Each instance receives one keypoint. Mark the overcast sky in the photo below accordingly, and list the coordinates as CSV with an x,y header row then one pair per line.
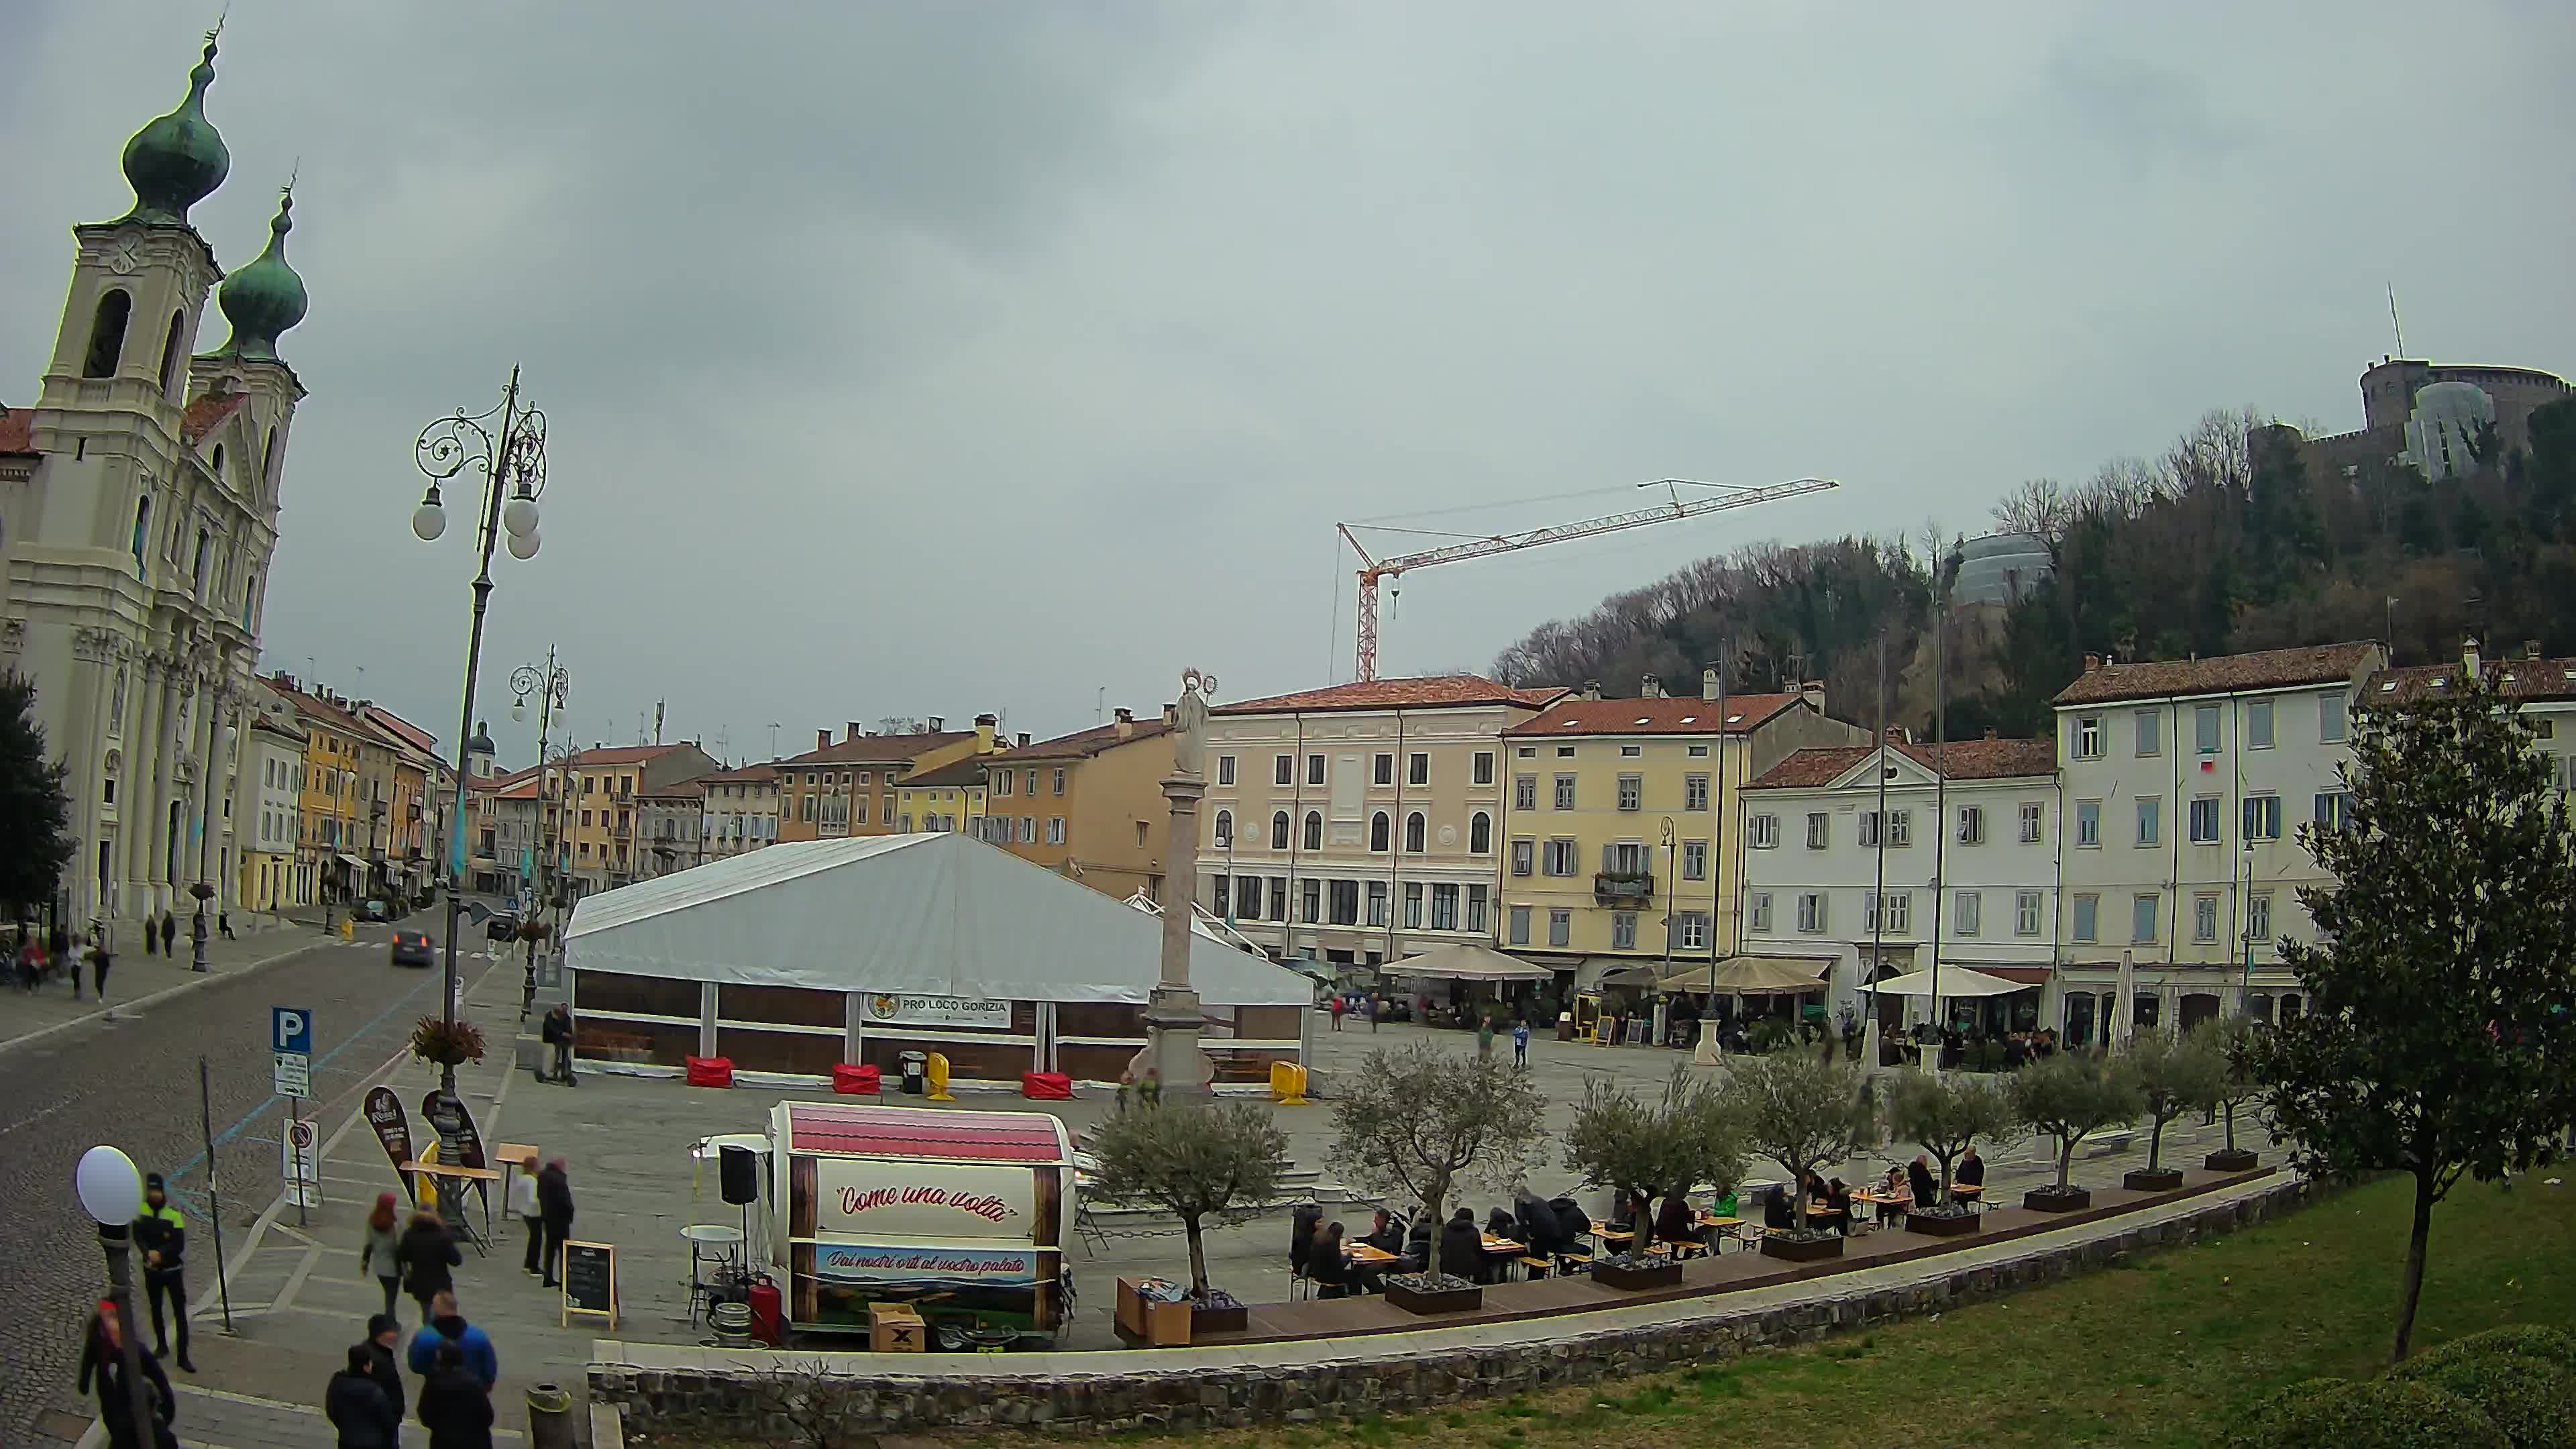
x,y
934,358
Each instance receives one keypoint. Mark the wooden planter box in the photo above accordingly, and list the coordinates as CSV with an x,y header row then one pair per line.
x,y
1447,1300
1236,1318
1941,1225
2162,1179
1665,1274
2050,1200
1794,1250
2231,1159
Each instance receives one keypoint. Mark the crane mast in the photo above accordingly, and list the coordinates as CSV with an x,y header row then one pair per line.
x,y
1373,570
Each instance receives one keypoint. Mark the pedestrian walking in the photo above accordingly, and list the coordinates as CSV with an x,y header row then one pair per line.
x,y
151,934
100,958
1520,1043
356,1406
558,1036
1374,1007
448,1330
554,1205
427,1254
1485,1037
103,1356
530,1213
224,924
455,1409
161,1235
170,934
381,1254
1338,1008
384,1339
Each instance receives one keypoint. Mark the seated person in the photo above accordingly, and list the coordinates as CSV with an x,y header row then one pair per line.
x,y
1573,1224
1500,1223
1838,1205
1726,1205
1538,1225
1892,1185
1918,1179
1972,1170
1677,1223
1417,1243
1462,1248
1329,1265
1386,1234
1778,1209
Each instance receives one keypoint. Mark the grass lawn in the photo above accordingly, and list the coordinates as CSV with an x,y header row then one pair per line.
x,y
2159,1353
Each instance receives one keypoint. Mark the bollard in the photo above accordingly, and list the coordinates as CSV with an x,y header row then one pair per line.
x,y
549,1417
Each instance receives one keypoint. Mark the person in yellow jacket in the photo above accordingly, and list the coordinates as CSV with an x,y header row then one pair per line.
x,y
161,1236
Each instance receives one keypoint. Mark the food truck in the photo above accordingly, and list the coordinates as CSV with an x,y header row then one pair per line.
x,y
960,1215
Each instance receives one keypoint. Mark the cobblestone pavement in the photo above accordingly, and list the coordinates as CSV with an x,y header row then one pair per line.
x,y
131,1081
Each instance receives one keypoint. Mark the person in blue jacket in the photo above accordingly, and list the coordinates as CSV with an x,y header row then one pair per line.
x,y
448,1326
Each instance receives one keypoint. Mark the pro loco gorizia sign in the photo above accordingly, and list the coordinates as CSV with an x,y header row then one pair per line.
x,y
882,1199
956,1011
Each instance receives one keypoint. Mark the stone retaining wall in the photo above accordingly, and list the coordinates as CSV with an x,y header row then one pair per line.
x,y
782,1395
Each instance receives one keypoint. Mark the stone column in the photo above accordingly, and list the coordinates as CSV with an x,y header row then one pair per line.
x,y
1172,1013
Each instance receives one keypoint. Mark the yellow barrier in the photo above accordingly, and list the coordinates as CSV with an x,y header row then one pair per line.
x,y
348,929
1288,1084
936,1069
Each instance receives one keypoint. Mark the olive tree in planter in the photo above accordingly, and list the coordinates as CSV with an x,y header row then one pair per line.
x,y
2174,1074
1946,1115
1643,1149
1196,1161
2233,1039
2070,1096
1421,1120
1801,1111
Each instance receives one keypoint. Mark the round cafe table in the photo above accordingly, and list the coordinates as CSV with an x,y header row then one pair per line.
x,y
718,1243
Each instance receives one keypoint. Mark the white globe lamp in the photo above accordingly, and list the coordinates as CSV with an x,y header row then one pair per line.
x,y
111,1190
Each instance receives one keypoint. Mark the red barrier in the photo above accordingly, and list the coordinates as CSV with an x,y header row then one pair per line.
x,y
854,1079
1046,1086
710,1071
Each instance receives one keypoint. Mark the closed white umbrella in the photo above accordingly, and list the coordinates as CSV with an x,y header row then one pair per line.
x,y
2123,1013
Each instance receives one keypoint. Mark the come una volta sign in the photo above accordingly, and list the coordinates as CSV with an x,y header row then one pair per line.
x,y
938,1011
948,1201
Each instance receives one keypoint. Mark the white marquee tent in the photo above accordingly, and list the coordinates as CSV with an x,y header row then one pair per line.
x,y
938,915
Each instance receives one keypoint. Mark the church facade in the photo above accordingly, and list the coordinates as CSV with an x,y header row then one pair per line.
x,y
138,515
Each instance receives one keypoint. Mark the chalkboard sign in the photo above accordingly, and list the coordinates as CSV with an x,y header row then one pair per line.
x,y
589,1281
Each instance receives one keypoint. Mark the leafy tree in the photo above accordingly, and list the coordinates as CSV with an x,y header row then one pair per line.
x,y
1947,1114
1801,1111
2071,1096
2174,1075
2437,1039
1195,1161
35,815
1645,1149
1423,1120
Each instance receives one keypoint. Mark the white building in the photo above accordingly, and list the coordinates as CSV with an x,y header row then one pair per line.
x,y
741,811
138,513
1359,824
1962,866
2185,782
271,817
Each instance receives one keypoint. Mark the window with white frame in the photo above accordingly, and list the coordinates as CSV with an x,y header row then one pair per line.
x,y
1382,768
1480,833
2027,907
2204,729
1314,769
2262,817
2204,820
2204,917
1283,770
2086,743
1694,792
1972,825
1870,831
1415,828
1417,769
1004,782
1224,829
1484,768
1694,860
1758,909
1560,856
1055,830
1225,769
1811,912
1623,930
1525,792
1279,830
1311,894
1565,792
1694,931
1967,913
1632,792
1524,856
1413,905
1762,832
1377,903
1314,832
2258,916
1477,896
1560,927
1819,829
2032,813
1900,827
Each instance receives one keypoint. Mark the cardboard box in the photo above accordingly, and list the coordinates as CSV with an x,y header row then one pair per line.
x,y
896,1328
1142,1320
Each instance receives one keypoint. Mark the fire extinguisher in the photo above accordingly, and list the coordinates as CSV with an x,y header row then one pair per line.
x,y
768,1313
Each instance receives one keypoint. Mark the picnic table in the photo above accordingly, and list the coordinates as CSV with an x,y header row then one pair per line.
x,y
1368,1255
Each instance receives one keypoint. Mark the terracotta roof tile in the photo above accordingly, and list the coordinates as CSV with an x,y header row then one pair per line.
x,y
1427,692
878,749
208,413
1083,744
1573,716
761,774
677,789
1965,759
968,771
2513,678
620,755
17,431
2266,669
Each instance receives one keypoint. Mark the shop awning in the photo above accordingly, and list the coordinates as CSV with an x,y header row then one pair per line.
x,y
352,862
1752,976
1955,981
1467,962
1635,974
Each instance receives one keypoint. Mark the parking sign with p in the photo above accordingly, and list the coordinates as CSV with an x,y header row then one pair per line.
x,y
290,1048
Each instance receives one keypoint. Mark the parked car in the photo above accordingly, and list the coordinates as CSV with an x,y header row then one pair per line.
x,y
502,926
371,911
411,948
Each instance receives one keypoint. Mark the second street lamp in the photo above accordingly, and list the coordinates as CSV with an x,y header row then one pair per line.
x,y
508,446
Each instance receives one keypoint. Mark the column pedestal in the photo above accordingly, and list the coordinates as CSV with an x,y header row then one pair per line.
x,y
1172,1013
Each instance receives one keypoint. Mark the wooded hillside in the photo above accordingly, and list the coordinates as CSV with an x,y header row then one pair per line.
x,y
2222,544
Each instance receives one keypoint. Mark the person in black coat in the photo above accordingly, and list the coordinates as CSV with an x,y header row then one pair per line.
x,y
454,1406
1501,1224
1539,1227
1573,1224
1918,1178
384,1336
1972,1170
1675,1222
1780,1209
1462,1248
554,1199
1417,1243
427,1253
356,1404
103,1356
1329,1264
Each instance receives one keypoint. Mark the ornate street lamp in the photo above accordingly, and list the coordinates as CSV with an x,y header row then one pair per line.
x,y
508,446
111,1192
551,686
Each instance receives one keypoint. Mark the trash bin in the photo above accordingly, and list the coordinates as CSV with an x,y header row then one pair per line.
x,y
549,1417
1565,1026
916,1073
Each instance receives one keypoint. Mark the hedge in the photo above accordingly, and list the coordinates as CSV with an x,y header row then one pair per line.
x,y
2385,1413
2523,1340
2532,1400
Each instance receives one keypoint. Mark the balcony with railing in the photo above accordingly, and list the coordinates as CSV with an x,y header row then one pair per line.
x,y
1623,887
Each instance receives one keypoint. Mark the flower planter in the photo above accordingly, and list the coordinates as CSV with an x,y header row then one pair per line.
x,y
1814,1249
1611,1273
1448,1297
2231,1159
2162,1179
2057,1200
1222,1313
1942,1225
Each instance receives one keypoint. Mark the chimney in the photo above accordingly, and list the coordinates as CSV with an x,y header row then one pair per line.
x,y
1023,739
2530,648
2468,656
1813,692
2092,662
938,723
1123,722
851,730
985,725
822,739
1592,689
1650,688
1708,682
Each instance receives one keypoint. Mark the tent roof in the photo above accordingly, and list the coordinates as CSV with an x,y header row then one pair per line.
x,y
1467,961
1955,981
928,914
1753,976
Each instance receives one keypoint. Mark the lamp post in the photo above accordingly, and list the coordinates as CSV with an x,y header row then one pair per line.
x,y
552,687
111,1192
1172,1015
513,462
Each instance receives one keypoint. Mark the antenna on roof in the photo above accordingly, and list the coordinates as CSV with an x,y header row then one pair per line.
x,y
2393,324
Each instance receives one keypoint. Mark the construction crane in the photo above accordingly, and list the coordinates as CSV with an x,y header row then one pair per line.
x,y
1372,570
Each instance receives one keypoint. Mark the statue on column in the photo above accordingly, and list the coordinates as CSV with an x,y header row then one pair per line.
x,y
1190,721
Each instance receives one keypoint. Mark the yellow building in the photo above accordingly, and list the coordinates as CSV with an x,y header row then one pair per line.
x,y
1620,822
591,802
1088,805
944,797
837,790
330,839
